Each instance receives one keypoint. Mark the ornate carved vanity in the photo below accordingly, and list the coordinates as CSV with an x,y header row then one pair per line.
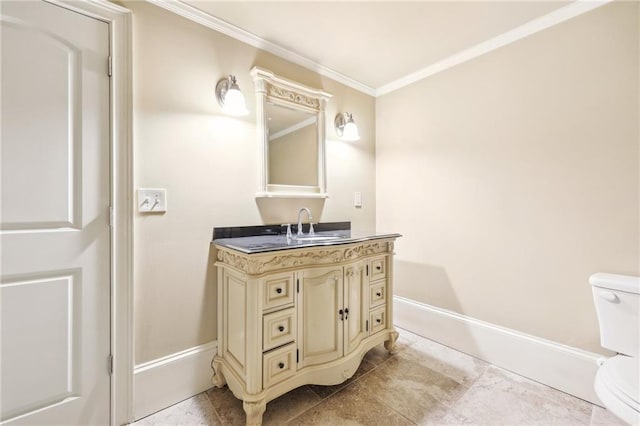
x,y
303,309
299,312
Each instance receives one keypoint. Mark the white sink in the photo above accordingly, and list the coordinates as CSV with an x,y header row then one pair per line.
x,y
317,237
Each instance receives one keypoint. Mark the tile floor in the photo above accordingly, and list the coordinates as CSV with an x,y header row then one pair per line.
x,y
425,383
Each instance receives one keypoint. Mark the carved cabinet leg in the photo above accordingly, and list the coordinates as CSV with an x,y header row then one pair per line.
x,y
254,412
218,379
391,344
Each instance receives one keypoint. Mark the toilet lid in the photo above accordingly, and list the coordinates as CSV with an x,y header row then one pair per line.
x,y
616,282
620,375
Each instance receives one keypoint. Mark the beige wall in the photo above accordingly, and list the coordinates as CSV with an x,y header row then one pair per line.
x,y
208,164
515,176
512,177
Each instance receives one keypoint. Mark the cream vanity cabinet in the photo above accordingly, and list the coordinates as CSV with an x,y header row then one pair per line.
x,y
300,316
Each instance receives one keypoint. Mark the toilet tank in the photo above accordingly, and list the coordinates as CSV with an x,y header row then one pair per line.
x,y
617,301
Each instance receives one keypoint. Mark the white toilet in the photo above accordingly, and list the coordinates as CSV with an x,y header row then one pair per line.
x,y
617,301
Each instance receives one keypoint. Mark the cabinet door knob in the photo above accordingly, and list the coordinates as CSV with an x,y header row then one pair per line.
x,y
278,290
379,268
378,320
341,312
378,294
281,365
281,328
346,313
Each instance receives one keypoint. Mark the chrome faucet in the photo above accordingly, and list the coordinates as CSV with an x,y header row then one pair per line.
x,y
304,209
288,225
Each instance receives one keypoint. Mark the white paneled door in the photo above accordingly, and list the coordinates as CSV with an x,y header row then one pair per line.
x,y
54,215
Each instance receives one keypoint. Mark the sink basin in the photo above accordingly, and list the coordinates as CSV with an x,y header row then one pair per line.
x,y
311,238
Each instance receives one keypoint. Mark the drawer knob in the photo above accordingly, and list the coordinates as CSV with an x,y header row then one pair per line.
x,y
280,328
378,320
378,294
281,365
278,290
378,268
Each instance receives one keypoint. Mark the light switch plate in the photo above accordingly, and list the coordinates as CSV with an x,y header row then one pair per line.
x,y
357,199
152,200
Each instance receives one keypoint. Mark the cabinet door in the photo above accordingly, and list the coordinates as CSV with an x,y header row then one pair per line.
x,y
320,325
234,319
355,305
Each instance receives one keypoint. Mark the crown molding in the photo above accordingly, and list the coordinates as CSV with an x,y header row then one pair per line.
x,y
216,24
556,17
549,20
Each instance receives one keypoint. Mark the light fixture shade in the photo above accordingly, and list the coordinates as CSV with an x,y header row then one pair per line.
x,y
230,97
350,131
346,128
234,103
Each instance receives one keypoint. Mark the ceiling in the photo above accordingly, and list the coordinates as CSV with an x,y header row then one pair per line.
x,y
374,44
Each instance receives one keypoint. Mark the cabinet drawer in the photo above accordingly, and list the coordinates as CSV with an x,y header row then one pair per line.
x,y
378,320
278,328
278,365
278,290
378,268
377,294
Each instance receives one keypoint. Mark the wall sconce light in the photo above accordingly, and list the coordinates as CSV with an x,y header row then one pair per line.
x,y
346,128
230,97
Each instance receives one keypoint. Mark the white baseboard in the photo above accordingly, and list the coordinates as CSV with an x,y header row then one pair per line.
x,y
171,379
562,367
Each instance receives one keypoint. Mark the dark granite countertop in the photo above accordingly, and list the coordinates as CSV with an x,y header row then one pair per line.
x,y
268,238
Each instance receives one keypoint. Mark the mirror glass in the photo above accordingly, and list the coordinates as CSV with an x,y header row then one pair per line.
x,y
292,145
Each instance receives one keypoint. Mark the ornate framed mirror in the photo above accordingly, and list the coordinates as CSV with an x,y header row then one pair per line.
x,y
291,137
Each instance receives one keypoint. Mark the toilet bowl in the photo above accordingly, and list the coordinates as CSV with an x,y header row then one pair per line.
x,y
617,301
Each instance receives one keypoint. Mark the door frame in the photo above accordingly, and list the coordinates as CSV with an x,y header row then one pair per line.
x,y
121,170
